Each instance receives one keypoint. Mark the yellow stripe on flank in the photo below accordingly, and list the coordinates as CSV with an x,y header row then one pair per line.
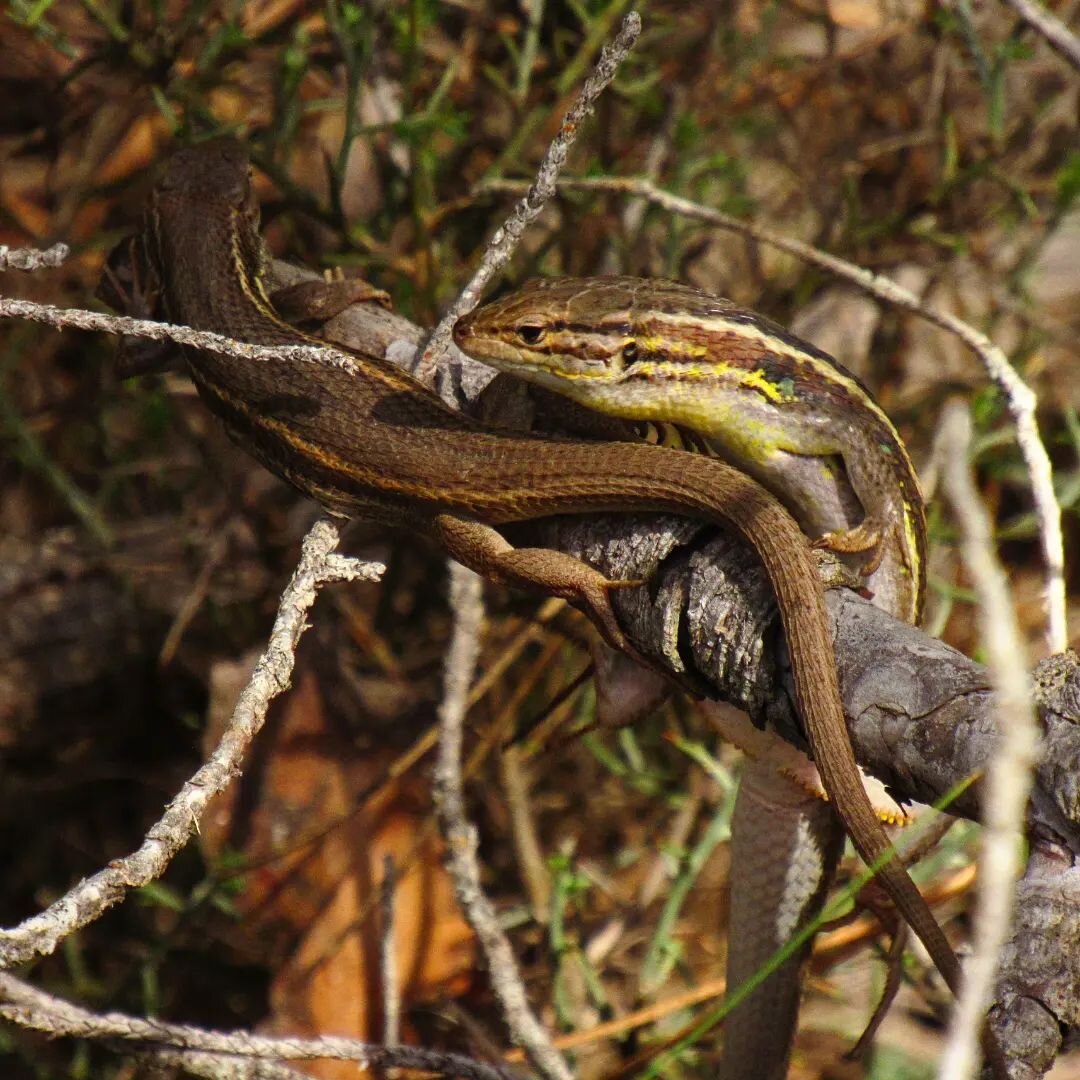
x,y
720,324
673,346
716,371
756,380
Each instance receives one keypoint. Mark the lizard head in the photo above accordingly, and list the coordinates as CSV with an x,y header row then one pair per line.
x,y
555,330
217,169
592,339
205,195
206,179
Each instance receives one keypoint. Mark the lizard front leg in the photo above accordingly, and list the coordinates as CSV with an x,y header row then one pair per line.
x,y
485,550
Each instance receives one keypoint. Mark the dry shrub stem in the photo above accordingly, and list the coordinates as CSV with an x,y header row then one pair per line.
x,y
390,977
1019,397
217,1066
32,258
32,1008
1009,776
466,601
80,319
1058,36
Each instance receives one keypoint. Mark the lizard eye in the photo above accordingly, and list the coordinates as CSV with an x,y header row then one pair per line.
x,y
630,352
530,334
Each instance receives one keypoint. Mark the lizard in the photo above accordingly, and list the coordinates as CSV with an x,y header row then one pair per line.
x,y
361,437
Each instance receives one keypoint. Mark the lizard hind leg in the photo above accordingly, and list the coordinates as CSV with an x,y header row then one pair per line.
x,y
485,550
867,536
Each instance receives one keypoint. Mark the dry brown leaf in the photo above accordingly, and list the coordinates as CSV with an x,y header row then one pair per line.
x,y
138,149
856,14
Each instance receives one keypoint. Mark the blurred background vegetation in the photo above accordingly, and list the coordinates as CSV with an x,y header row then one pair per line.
x,y
141,554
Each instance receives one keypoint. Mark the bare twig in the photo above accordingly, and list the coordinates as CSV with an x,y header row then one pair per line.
x,y
80,319
1008,781
32,258
219,1066
1058,36
1021,400
461,841
32,1008
505,240
81,905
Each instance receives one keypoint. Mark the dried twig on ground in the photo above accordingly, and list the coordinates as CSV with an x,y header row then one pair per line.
x,y
32,1008
1059,37
466,600
32,258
